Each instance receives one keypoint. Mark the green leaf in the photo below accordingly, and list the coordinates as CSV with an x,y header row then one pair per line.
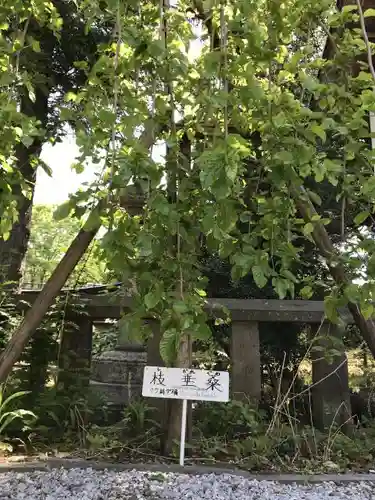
x,y
245,216
371,266
242,264
35,44
369,13
349,8
70,96
180,307
308,229
352,292
238,144
93,221
27,140
315,198
285,157
66,114
330,307
10,398
107,116
145,245
152,299
169,344
259,277
131,328
306,292
63,211
78,167
361,217
289,275
281,287
231,170
367,310
318,349
46,168
160,204
202,332
319,131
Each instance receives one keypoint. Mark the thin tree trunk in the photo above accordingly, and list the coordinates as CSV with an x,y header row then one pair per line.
x,y
13,250
325,246
184,360
184,354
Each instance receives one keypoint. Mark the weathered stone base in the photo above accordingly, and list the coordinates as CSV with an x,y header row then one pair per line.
x,y
117,395
117,375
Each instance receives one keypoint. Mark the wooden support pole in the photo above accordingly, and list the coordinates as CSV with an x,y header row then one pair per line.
x,y
330,389
245,355
75,355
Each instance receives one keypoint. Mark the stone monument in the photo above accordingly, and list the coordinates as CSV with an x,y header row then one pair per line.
x,y
117,374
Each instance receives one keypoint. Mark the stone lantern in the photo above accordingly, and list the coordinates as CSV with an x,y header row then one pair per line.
x,y
118,374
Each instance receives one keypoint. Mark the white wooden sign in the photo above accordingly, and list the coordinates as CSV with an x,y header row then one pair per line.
x,y
186,384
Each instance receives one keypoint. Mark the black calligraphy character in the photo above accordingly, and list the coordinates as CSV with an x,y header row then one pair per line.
x,y
188,377
213,382
158,378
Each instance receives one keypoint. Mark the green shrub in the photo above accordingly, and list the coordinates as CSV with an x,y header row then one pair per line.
x,y
228,420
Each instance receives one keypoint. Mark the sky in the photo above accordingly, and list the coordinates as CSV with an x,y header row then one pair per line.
x,y
60,157
55,189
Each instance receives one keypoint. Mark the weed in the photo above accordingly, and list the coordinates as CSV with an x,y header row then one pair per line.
x,y
137,417
8,416
65,417
229,420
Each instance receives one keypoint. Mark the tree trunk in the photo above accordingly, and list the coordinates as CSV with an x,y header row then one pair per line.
x,y
327,250
184,359
184,354
35,314
13,250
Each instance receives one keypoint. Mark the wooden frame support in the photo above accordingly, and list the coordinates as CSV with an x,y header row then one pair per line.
x,y
75,354
245,355
330,377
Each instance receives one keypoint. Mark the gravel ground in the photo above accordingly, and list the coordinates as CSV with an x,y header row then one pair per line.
x,y
89,484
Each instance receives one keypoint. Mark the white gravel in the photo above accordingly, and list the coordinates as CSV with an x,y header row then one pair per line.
x,y
89,484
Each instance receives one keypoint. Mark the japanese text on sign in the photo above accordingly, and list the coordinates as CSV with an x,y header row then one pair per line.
x,y
185,383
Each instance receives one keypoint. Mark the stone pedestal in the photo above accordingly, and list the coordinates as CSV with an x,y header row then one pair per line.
x,y
118,374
